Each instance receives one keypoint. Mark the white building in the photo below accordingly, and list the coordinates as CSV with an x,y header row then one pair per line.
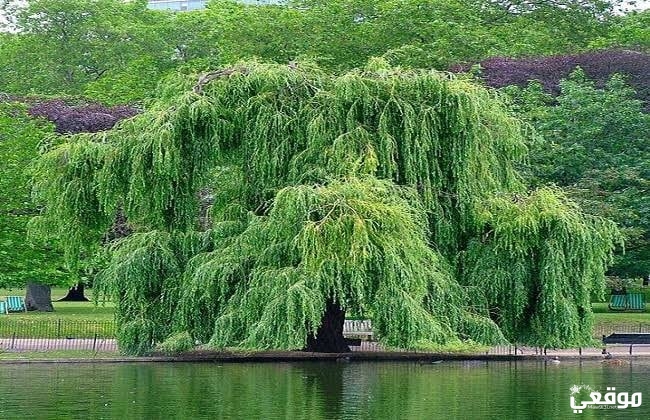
x,y
181,5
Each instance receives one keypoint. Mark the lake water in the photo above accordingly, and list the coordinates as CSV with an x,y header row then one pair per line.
x,y
316,390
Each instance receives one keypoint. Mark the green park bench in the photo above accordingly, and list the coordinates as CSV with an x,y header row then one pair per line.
x,y
636,302
3,307
628,302
15,304
617,302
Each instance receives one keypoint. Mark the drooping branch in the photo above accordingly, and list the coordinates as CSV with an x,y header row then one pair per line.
x,y
206,78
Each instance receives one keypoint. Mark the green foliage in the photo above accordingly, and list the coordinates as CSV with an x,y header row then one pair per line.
x,y
631,30
544,260
75,163
113,50
133,83
598,128
177,343
143,281
374,189
594,142
116,51
20,260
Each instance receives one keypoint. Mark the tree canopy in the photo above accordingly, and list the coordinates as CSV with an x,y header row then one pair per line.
x,y
594,143
260,194
117,51
21,260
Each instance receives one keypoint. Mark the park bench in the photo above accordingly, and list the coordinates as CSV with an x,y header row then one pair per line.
x,y
3,307
15,304
628,302
627,338
352,341
356,331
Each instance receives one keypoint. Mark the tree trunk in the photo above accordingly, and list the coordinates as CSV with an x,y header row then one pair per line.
x,y
329,337
75,294
38,298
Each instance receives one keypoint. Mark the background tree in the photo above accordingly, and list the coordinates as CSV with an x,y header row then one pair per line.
x,y
68,46
438,34
23,263
595,143
34,263
599,66
117,51
631,30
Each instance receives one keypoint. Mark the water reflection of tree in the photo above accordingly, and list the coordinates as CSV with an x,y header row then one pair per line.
x,y
278,390
310,390
325,388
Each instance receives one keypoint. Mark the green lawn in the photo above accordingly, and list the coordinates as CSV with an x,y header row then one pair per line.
x,y
54,354
69,319
607,322
69,311
80,311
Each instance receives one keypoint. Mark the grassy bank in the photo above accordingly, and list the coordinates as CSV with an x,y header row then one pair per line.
x,y
607,321
69,319
66,311
55,355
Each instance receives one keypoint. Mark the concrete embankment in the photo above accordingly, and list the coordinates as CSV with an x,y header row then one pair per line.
x,y
617,352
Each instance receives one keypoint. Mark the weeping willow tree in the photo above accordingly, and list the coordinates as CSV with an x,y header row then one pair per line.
x,y
268,201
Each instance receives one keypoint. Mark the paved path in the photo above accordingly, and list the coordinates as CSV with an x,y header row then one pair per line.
x,y
38,344
110,345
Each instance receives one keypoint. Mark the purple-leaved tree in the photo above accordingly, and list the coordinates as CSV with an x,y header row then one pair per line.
x,y
85,118
598,66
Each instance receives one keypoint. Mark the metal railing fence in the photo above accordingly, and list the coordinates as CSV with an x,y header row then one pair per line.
x,y
59,334
63,334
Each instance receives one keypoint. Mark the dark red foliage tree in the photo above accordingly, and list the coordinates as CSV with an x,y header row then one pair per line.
x,y
599,66
86,118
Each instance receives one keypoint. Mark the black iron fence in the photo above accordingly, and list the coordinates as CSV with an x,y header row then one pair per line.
x,y
606,330
60,334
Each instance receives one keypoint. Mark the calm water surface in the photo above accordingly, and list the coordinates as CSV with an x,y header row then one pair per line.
x,y
463,390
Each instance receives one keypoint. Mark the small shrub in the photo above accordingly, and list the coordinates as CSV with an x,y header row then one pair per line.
x,y
176,343
619,285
